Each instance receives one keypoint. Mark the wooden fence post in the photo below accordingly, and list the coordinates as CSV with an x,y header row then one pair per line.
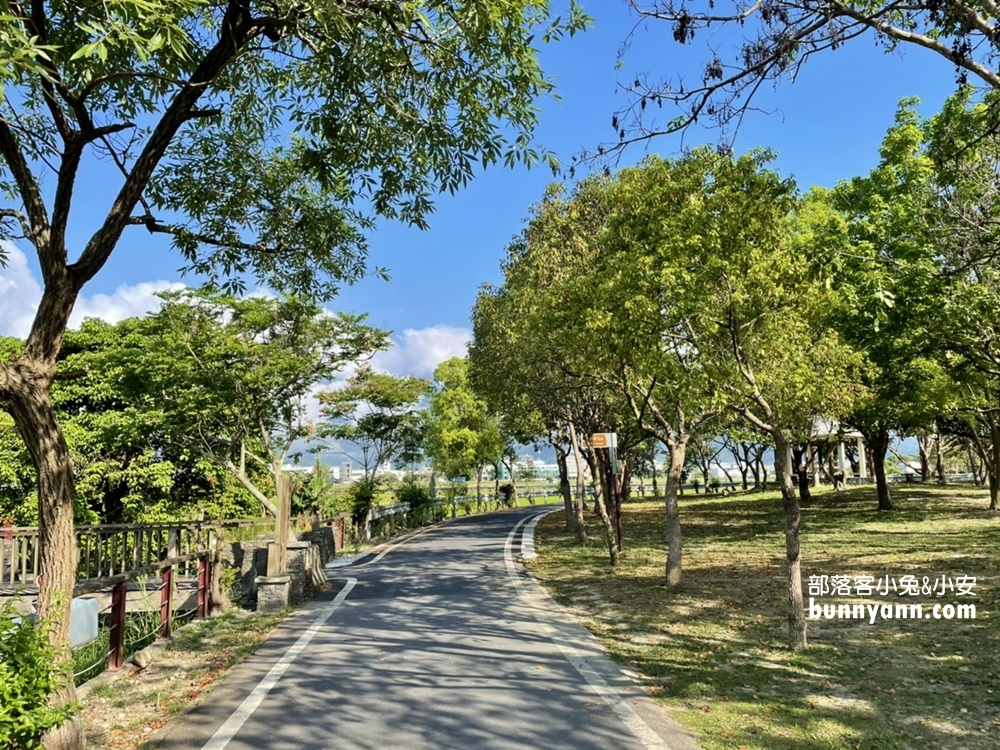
x,y
277,551
204,572
116,655
167,603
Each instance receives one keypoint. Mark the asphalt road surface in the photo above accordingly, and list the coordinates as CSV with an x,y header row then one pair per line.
x,y
442,641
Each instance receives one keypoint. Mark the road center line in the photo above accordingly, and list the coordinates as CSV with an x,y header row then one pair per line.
x,y
227,731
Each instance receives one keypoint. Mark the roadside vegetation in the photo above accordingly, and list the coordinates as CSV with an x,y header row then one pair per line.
x,y
122,710
714,650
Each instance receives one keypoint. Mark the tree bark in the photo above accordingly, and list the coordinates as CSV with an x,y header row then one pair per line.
x,y
599,475
799,459
602,511
678,454
994,473
242,478
656,490
479,489
793,556
923,447
581,488
878,443
26,390
564,488
940,461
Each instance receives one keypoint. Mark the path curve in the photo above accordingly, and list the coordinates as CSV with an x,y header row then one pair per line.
x,y
440,641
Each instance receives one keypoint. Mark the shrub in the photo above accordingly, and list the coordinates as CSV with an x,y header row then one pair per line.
x,y
28,676
414,495
362,496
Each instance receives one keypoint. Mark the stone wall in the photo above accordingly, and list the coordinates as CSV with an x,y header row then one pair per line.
x,y
324,539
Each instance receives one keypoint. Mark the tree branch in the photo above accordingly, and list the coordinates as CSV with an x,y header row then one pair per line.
x,y
52,261
155,227
21,218
237,29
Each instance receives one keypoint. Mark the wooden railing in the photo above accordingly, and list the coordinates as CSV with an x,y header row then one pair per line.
x,y
108,550
166,570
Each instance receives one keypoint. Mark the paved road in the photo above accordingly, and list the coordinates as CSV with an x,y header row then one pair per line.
x,y
442,642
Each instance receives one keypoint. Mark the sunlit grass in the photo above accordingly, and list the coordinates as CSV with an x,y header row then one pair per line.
x,y
714,651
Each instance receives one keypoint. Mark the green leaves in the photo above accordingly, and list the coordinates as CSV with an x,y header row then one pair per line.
x,y
310,120
28,676
378,413
462,436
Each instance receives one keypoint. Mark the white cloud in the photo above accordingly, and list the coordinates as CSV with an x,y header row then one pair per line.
x,y
419,352
20,293
127,301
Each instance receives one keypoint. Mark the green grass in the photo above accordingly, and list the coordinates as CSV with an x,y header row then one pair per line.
x,y
714,651
141,629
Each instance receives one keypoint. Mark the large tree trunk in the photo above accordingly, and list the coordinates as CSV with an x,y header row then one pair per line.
x,y
479,489
993,470
879,445
564,488
793,556
598,471
656,490
678,453
30,404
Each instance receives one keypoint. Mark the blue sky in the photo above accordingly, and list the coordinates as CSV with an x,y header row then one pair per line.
x,y
827,126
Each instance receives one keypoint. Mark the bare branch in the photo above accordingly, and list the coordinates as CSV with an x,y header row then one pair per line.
x,y
155,227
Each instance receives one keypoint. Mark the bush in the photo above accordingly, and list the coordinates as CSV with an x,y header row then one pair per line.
x,y
362,496
508,495
28,676
414,495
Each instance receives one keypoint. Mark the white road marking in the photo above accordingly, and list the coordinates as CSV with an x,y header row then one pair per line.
x,y
508,556
227,731
528,537
577,650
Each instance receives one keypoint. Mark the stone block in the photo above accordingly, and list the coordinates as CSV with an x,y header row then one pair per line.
x,y
272,594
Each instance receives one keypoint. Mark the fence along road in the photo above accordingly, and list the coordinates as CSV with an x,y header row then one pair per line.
x,y
442,643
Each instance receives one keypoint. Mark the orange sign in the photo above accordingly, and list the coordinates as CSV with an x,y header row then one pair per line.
x,y
599,440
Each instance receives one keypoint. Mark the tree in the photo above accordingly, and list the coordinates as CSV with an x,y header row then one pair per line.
x,y
529,356
128,465
462,437
375,411
775,38
637,306
230,376
881,255
192,101
760,325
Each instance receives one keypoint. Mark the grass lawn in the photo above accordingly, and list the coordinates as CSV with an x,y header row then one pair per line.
x,y
714,651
